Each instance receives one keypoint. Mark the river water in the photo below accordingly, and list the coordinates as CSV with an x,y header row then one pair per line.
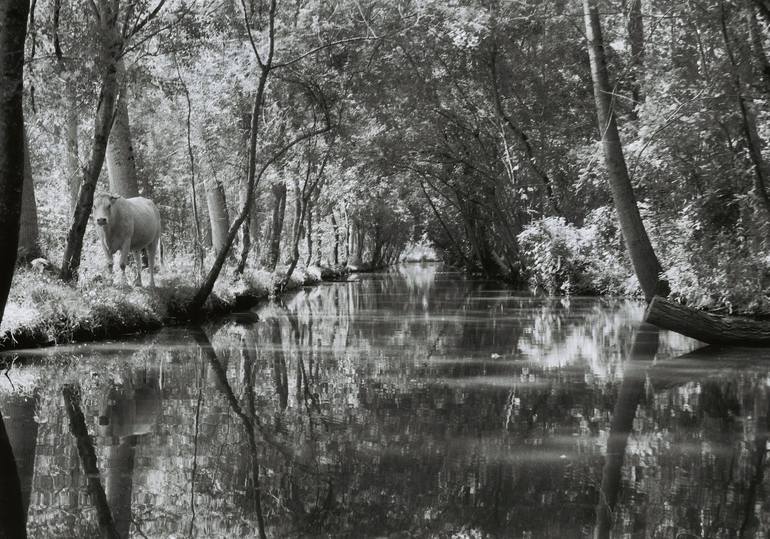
x,y
411,403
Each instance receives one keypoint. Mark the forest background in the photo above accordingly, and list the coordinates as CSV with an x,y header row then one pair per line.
x,y
281,137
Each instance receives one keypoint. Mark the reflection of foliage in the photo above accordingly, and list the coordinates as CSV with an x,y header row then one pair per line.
x,y
406,404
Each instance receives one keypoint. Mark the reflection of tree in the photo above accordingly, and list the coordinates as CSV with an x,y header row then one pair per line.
x,y
22,431
643,349
88,461
280,376
129,412
12,516
762,417
250,422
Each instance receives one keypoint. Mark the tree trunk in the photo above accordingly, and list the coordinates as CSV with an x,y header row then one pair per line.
x,y
707,327
636,38
749,119
296,233
13,29
218,216
309,236
279,212
758,49
121,163
111,47
29,232
336,250
643,257
318,236
13,24
74,173
346,235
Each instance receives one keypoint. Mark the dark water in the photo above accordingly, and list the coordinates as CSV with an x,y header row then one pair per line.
x,y
413,403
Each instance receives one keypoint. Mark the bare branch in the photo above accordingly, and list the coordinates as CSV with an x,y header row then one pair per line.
x,y
322,47
142,23
251,36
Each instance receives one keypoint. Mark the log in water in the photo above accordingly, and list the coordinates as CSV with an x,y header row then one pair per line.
x,y
707,327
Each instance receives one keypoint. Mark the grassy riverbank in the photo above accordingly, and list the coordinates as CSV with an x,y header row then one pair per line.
x,y
43,311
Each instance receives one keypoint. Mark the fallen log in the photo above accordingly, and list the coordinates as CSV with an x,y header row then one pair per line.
x,y
707,327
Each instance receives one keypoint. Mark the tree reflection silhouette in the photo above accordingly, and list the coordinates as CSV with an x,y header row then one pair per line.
x,y
12,518
643,349
129,412
87,454
249,420
22,429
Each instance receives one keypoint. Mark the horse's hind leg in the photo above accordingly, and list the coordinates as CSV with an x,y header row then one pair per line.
x,y
151,261
138,262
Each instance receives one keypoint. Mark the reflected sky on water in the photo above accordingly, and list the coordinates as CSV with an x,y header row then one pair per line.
x,y
411,403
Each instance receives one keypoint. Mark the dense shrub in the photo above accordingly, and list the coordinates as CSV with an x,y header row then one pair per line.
x,y
720,268
562,258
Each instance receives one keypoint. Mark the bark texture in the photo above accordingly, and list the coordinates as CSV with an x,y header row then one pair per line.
x,y
643,257
73,161
29,231
13,29
218,216
707,327
276,228
121,162
636,38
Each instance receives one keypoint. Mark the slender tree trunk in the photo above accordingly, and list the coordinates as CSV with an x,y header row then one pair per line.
x,y
346,235
29,232
309,236
318,241
523,139
296,234
643,257
74,174
636,38
279,212
336,250
265,66
252,176
121,162
199,255
218,217
111,47
758,48
751,134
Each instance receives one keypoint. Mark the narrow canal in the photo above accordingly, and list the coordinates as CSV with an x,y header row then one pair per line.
x,y
410,403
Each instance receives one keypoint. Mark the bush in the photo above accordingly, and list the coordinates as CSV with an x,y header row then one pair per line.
x,y
562,258
554,258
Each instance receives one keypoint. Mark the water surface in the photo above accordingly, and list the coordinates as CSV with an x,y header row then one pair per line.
x,y
412,403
